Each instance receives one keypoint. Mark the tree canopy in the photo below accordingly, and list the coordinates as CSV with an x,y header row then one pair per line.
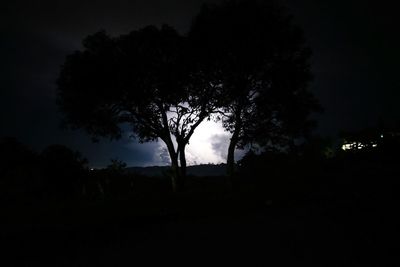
x,y
244,62
143,79
258,58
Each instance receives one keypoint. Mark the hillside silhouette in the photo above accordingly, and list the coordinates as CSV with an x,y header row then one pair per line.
x,y
194,170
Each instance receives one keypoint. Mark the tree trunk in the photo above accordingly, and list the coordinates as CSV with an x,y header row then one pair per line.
x,y
174,166
230,163
182,159
175,178
166,137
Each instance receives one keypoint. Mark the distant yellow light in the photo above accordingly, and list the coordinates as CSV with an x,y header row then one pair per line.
x,y
346,147
357,145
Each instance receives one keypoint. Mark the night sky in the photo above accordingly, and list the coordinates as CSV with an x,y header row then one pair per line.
x,y
355,62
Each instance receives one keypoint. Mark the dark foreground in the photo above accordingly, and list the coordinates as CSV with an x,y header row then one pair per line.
x,y
345,217
231,231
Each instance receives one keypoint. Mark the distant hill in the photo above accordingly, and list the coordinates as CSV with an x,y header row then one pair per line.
x,y
196,170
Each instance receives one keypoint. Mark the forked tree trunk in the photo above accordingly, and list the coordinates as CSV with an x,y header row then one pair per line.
x,y
175,177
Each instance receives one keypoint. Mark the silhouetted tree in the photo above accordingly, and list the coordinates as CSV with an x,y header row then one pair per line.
x,y
116,165
18,169
256,57
141,79
63,170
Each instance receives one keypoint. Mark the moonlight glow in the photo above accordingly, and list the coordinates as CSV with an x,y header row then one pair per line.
x,y
201,150
208,144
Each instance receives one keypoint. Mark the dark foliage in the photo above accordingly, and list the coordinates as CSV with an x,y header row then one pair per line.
x,y
56,173
143,80
258,58
130,79
19,173
63,172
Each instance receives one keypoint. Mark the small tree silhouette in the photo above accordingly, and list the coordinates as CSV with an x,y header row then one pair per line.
x,y
18,169
64,171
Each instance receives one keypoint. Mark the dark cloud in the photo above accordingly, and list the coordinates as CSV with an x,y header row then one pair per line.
x,y
75,17
164,156
354,46
220,145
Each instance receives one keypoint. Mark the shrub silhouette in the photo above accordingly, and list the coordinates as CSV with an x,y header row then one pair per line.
x,y
64,171
19,174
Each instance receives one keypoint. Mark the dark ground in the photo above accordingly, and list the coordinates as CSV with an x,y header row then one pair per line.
x,y
348,220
